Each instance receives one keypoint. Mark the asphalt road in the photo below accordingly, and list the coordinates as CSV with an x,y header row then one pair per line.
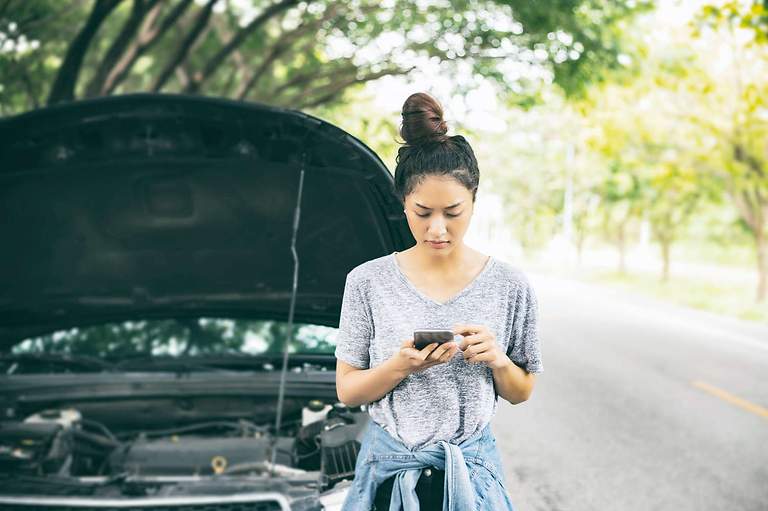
x,y
641,406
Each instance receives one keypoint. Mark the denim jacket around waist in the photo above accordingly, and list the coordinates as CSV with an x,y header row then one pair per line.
x,y
473,472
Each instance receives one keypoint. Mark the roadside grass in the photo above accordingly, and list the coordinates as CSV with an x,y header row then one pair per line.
x,y
735,299
720,297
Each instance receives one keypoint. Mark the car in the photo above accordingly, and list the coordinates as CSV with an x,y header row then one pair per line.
x,y
173,271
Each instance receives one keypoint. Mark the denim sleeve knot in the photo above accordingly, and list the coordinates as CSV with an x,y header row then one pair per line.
x,y
382,456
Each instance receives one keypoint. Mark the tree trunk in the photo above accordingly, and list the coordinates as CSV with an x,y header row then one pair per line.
x,y
121,42
665,245
149,34
221,56
762,265
63,88
185,45
620,244
579,248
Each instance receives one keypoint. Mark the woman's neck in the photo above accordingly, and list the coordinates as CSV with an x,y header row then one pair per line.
x,y
427,261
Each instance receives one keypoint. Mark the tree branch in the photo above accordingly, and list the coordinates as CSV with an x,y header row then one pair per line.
x,y
743,155
28,85
302,78
744,205
149,34
220,29
328,92
4,7
182,76
183,49
121,42
283,44
27,25
63,88
220,56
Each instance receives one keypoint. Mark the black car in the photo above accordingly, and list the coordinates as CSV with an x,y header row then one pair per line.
x,y
161,256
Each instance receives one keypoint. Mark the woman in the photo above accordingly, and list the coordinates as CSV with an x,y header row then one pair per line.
x,y
430,409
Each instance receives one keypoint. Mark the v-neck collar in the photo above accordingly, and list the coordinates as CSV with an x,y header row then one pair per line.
x,y
432,301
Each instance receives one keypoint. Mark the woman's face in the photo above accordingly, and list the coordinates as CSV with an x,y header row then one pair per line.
x,y
439,209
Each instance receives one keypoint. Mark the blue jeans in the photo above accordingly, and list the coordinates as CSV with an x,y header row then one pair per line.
x,y
473,472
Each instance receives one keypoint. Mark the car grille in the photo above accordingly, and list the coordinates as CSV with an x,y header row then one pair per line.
x,y
190,503
235,506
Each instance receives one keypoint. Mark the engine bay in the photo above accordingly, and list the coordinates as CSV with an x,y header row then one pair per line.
x,y
67,451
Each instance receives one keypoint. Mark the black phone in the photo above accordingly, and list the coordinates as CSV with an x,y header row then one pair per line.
x,y
424,337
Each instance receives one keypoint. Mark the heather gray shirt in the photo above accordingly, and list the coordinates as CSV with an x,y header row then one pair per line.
x,y
381,308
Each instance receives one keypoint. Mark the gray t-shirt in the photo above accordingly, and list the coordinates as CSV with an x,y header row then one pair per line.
x,y
450,401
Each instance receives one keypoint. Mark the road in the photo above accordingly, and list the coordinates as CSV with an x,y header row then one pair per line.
x,y
641,406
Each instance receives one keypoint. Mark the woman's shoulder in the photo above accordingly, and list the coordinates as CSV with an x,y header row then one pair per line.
x,y
512,273
367,270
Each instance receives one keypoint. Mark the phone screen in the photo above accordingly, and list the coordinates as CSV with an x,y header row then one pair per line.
x,y
425,337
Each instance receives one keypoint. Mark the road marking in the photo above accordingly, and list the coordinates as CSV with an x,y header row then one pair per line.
x,y
726,396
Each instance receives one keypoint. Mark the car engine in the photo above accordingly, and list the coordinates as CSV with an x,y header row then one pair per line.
x,y
75,452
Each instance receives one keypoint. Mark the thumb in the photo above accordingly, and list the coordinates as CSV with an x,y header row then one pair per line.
x,y
407,343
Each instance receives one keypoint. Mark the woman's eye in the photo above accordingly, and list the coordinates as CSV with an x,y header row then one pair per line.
x,y
447,214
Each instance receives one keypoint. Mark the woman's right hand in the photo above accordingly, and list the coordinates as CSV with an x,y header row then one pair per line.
x,y
412,360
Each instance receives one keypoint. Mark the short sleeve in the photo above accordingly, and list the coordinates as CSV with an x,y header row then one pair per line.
x,y
524,347
353,337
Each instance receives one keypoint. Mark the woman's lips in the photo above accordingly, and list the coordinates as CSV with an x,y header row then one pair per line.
x,y
438,245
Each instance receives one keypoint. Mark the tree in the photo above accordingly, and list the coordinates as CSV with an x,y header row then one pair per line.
x,y
750,16
622,190
732,115
289,52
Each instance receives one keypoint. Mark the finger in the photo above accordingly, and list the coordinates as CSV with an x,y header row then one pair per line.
x,y
482,357
485,355
427,351
470,351
445,357
475,350
434,356
469,340
444,346
464,328
436,353
428,347
426,364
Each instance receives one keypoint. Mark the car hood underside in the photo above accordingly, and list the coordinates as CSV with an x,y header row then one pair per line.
x,y
150,204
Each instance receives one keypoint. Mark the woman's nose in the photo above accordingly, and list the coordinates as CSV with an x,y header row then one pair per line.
x,y
437,228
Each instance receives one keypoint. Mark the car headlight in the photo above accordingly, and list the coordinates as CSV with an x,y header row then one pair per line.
x,y
334,498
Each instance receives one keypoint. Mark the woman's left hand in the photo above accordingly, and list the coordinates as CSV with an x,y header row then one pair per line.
x,y
479,345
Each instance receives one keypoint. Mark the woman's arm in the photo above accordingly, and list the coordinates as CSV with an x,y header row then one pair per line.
x,y
358,386
513,383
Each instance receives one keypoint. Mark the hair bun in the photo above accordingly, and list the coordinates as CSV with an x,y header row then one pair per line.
x,y
423,120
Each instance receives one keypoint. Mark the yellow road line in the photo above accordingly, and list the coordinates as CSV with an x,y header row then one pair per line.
x,y
726,396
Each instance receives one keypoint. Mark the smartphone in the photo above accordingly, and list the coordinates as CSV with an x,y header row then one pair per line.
x,y
425,337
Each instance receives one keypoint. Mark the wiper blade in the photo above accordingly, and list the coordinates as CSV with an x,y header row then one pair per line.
x,y
38,361
160,363
242,361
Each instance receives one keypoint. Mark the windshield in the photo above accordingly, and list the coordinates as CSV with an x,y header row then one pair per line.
x,y
187,337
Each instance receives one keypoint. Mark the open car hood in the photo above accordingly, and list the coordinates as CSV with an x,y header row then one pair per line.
x,y
168,205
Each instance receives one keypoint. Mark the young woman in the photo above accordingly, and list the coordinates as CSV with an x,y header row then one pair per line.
x,y
430,409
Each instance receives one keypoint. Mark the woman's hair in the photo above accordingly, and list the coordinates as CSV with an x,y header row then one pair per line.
x,y
427,149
